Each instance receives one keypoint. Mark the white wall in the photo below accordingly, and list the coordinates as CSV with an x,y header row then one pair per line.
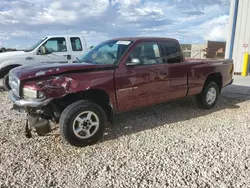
x,y
230,25
242,33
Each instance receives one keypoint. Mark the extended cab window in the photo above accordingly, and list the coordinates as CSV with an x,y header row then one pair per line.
x,y
55,45
147,52
172,52
76,44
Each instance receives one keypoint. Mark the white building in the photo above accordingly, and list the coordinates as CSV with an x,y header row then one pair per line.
x,y
238,41
194,50
198,51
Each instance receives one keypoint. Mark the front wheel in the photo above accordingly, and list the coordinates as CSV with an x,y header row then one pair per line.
x,y
209,95
82,123
5,80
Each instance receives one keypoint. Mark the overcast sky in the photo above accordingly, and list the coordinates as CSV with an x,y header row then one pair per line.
x,y
23,22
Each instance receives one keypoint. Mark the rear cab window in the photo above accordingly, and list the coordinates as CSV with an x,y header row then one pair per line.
x,y
172,52
76,44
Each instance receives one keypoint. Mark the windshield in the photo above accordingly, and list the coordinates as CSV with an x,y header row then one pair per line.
x,y
35,45
108,52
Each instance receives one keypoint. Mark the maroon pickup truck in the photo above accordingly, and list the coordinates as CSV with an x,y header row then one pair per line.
x,y
115,76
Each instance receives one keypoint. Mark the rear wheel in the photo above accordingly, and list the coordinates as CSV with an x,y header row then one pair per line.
x,y
209,95
82,123
6,82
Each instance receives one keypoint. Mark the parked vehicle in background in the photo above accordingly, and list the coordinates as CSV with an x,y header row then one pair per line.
x,y
115,76
63,49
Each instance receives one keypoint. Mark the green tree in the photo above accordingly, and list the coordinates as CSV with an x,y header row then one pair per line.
x,y
3,49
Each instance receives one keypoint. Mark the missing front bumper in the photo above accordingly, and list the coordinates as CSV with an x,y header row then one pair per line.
x,y
41,126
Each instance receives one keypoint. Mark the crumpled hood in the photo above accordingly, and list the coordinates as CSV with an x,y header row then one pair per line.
x,y
49,69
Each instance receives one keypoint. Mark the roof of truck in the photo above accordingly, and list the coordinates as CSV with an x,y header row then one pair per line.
x,y
124,38
64,36
145,38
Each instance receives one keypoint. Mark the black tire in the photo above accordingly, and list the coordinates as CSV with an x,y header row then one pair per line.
x,y
5,80
66,123
202,97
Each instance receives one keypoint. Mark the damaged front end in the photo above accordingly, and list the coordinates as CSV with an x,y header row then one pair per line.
x,y
37,99
41,126
38,123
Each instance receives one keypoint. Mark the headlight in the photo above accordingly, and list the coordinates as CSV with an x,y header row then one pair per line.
x,y
14,84
32,94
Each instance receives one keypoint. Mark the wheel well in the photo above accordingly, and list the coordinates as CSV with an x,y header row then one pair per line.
x,y
5,70
99,97
214,77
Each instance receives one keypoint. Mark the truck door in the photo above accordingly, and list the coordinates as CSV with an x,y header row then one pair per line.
x,y
142,84
77,48
176,70
56,50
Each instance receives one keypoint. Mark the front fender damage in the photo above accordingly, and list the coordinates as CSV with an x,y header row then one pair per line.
x,y
59,86
54,87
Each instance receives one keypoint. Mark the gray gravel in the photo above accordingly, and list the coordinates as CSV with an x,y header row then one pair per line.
x,y
168,145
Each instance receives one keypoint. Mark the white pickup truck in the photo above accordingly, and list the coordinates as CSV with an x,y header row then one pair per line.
x,y
63,48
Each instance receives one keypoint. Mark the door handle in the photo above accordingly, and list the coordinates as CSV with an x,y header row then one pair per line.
x,y
68,56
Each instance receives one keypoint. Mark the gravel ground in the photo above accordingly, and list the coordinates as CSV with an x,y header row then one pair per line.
x,y
167,145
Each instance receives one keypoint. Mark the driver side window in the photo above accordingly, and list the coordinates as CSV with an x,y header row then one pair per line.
x,y
55,45
147,52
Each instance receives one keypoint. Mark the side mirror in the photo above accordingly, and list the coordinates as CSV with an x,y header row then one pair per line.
x,y
42,51
133,62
